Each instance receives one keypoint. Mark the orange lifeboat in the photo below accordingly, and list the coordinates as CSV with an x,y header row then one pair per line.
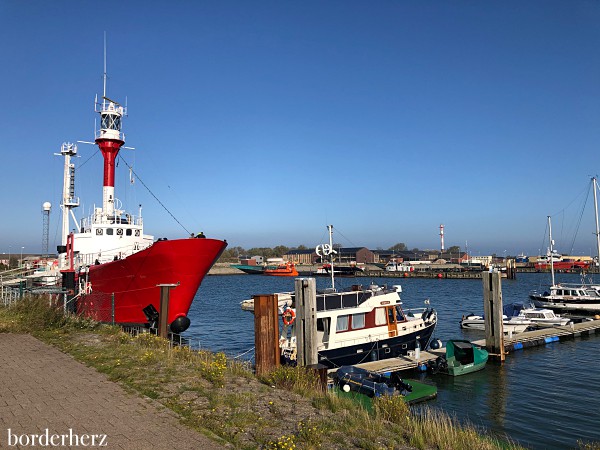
x,y
283,270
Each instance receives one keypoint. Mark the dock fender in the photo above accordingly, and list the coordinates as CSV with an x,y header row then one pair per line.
x,y
180,324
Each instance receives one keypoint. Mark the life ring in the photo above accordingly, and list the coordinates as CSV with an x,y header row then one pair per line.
x,y
289,316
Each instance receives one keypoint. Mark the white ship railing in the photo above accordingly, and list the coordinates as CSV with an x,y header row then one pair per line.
x,y
88,259
100,218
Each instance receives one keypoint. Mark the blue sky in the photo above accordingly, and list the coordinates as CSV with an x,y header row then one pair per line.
x,y
262,122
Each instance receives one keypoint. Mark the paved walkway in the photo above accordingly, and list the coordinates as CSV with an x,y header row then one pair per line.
x,y
42,389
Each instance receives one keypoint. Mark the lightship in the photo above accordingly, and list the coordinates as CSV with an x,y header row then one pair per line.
x,y
110,268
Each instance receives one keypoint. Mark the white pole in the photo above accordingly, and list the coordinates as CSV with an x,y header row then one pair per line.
x,y
330,227
551,249
595,187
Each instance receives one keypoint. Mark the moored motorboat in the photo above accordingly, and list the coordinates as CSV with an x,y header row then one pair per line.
x,y
362,324
540,317
510,324
568,297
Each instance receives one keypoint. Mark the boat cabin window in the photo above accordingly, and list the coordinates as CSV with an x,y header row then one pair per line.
x,y
109,231
128,232
323,324
342,323
400,314
380,317
358,321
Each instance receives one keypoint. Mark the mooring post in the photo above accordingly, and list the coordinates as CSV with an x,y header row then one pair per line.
x,y
306,321
112,307
163,313
266,333
511,269
492,311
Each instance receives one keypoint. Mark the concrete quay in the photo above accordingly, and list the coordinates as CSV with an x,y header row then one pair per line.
x,y
46,392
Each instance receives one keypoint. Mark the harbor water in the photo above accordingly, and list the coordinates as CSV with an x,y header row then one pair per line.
x,y
543,397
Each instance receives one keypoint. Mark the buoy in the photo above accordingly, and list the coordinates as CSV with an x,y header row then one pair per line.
x,y
439,275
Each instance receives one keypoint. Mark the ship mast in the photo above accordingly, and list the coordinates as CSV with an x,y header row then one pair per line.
x,y
551,248
595,187
328,250
109,139
332,251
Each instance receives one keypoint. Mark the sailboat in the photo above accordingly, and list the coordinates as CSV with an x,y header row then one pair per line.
x,y
580,297
361,323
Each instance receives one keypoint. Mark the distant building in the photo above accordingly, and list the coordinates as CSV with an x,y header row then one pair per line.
x,y
361,255
307,256
385,256
456,257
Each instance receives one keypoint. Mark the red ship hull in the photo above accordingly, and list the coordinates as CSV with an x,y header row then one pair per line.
x,y
133,281
563,265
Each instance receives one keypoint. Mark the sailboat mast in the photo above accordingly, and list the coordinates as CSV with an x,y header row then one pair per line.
x,y
551,249
595,187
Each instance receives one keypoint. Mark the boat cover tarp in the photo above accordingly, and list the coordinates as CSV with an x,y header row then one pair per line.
x,y
465,352
512,309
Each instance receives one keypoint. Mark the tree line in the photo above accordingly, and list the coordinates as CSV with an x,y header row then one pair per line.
x,y
233,254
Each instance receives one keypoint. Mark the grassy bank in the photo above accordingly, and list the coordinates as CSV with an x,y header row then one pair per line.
x,y
223,399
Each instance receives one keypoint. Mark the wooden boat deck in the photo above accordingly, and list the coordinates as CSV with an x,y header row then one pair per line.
x,y
402,362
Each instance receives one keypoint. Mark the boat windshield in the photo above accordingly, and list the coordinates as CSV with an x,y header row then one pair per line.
x,y
400,314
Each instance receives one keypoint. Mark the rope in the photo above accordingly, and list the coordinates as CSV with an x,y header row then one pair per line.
x,y
155,197
242,354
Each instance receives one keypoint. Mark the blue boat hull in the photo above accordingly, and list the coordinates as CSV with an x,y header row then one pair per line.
x,y
374,351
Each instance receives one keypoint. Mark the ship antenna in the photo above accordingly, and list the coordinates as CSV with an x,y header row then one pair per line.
x,y
104,75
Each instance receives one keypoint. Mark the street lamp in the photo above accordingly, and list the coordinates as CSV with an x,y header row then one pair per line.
x,y
9,249
21,264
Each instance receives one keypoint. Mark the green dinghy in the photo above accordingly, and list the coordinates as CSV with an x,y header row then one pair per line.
x,y
463,357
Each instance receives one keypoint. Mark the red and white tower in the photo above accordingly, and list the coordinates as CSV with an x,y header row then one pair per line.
x,y
442,236
110,139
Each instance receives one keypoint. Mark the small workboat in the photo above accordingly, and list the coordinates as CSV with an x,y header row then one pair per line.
x,y
462,357
282,270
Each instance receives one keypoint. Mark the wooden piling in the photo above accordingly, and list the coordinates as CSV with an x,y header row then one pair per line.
x,y
163,313
306,321
492,311
511,269
266,333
